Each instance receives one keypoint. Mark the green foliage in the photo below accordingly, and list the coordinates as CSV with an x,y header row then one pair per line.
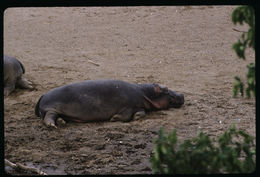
x,y
250,79
201,155
245,14
238,85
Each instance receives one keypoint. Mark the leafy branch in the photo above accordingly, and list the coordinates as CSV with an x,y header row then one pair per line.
x,y
241,15
201,155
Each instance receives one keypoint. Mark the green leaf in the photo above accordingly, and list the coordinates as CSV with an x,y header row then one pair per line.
x,y
238,85
239,49
172,138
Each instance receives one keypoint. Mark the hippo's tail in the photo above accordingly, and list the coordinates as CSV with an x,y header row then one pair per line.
x,y
36,110
21,66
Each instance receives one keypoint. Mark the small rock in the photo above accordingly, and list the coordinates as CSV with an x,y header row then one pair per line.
x,y
99,146
140,146
146,169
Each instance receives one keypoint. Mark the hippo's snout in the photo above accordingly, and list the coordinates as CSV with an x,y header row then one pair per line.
x,y
176,99
181,99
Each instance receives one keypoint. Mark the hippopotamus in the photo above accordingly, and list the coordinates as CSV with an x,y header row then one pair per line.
x,y
101,100
13,71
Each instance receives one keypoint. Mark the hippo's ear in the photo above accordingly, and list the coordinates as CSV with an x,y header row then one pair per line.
x,y
160,89
157,88
165,89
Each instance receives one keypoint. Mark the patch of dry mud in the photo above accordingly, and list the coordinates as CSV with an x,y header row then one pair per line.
x,y
186,48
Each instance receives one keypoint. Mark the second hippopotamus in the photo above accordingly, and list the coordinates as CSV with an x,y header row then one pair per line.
x,y
13,71
100,100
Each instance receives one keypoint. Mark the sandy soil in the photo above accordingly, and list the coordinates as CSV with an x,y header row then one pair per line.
x,y
186,48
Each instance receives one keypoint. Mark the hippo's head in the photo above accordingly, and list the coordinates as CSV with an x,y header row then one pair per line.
x,y
161,97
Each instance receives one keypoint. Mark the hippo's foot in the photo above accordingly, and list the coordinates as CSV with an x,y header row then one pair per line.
x,y
138,115
125,115
49,123
50,119
24,83
60,121
8,90
116,117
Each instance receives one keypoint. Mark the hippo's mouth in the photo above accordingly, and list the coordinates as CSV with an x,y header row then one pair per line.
x,y
176,100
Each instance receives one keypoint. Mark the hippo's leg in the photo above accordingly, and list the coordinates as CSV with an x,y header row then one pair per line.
x,y
139,114
24,83
125,115
50,119
9,87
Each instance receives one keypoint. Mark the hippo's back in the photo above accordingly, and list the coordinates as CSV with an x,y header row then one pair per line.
x,y
11,63
91,88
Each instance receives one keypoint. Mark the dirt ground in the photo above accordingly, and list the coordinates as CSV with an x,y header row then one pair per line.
x,y
187,48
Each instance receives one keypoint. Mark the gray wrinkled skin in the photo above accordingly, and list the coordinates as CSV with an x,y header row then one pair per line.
x,y
13,71
101,100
